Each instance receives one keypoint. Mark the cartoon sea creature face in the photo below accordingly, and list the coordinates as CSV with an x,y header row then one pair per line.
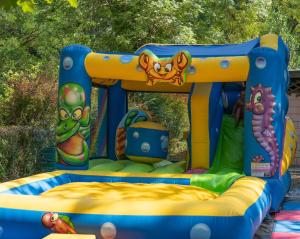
x,y
58,223
260,99
171,70
73,125
262,102
49,219
72,111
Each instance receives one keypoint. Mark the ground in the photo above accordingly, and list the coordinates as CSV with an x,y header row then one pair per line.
x,y
265,230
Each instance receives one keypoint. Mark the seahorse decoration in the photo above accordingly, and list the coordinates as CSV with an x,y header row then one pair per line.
x,y
172,70
261,104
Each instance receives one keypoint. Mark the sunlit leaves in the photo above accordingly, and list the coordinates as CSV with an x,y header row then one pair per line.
x,y
28,5
73,3
126,25
284,19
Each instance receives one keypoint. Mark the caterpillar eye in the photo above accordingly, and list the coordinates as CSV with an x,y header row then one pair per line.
x,y
257,97
77,114
168,67
63,115
156,67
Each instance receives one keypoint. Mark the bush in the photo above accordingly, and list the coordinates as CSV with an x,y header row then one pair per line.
x,y
168,109
28,99
171,111
20,150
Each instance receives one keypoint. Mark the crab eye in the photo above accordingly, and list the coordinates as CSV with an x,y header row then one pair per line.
x,y
156,66
168,67
257,97
77,114
63,115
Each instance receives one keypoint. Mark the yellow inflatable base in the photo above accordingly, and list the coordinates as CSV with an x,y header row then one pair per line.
x,y
134,198
130,191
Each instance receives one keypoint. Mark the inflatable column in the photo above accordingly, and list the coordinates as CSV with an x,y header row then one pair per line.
x,y
73,123
117,107
266,107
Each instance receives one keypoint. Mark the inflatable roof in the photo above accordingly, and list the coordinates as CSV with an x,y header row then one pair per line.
x,y
202,50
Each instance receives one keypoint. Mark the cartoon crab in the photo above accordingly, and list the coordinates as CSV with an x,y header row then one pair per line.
x,y
172,70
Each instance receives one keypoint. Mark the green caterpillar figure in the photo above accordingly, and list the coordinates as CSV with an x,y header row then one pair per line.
x,y
73,126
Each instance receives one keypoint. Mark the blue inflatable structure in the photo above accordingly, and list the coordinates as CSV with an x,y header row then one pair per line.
x,y
115,177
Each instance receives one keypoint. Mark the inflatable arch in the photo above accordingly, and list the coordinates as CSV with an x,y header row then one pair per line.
x,y
237,171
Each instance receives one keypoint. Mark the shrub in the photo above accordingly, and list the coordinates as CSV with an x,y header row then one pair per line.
x,y
20,150
171,111
28,99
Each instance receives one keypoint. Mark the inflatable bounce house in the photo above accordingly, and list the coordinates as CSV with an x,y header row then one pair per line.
x,y
115,179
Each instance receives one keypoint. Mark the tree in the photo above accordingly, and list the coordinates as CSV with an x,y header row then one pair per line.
x,y
28,5
31,42
284,19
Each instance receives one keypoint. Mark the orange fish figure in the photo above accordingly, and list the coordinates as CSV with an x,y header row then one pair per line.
x,y
172,70
58,223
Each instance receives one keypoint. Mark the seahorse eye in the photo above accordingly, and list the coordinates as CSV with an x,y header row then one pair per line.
x,y
257,97
156,66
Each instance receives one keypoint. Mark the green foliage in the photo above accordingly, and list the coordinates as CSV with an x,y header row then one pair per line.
x,y
168,109
28,99
29,5
8,3
20,149
284,19
30,46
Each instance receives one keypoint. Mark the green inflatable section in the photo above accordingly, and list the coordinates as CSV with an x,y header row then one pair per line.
x,y
137,167
128,166
107,166
228,162
178,167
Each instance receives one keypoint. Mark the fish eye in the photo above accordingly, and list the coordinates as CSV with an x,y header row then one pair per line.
x,y
63,115
156,66
257,97
54,217
77,114
168,67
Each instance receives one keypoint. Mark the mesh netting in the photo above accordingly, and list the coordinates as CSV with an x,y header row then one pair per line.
x,y
294,87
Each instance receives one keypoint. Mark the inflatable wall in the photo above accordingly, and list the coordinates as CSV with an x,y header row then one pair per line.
x,y
117,179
